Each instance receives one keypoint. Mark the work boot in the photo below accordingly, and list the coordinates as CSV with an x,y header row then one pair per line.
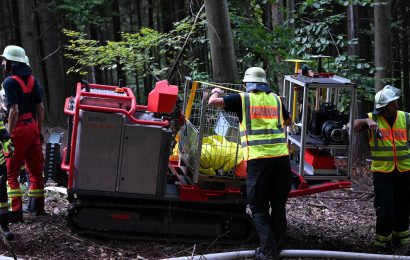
x,y
260,255
35,206
384,250
14,216
6,232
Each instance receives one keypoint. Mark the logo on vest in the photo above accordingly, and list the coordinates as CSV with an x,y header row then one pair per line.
x,y
264,112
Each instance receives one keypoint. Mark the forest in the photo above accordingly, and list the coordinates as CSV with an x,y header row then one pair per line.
x,y
143,41
140,42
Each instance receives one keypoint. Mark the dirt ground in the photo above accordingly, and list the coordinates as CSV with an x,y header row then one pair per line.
x,y
341,220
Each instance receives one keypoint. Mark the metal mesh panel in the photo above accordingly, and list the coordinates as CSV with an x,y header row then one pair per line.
x,y
209,142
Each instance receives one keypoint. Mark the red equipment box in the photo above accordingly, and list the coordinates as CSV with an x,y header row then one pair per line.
x,y
163,97
319,159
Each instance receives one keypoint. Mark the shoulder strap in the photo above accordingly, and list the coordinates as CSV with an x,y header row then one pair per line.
x,y
407,125
279,108
25,88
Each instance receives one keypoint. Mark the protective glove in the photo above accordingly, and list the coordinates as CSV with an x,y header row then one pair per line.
x,y
8,148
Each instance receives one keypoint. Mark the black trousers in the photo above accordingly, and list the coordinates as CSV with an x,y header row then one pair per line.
x,y
391,202
268,184
3,193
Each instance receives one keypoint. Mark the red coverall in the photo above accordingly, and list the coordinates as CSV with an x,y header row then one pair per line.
x,y
28,151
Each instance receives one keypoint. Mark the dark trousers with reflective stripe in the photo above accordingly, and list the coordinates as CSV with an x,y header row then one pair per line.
x,y
268,182
3,193
392,202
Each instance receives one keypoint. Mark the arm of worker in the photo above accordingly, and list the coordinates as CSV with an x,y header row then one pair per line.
x,y
365,123
215,100
286,116
288,121
40,118
13,116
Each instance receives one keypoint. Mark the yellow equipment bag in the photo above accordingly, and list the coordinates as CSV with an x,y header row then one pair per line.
x,y
219,155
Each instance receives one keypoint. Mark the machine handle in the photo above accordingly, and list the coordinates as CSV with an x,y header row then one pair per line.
x,y
67,109
129,97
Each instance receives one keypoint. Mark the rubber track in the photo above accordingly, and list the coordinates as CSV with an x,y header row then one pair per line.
x,y
77,205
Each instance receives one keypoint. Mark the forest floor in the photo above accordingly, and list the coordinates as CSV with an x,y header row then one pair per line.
x,y
341,220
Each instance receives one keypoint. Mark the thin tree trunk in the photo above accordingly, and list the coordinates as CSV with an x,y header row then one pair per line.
x,y
220,41
116,26
138,26
382,32
275,13
365,40
96,75
51,45
404,46
352,24
269,14
396,55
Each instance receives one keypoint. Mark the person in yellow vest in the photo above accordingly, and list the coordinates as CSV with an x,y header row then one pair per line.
x,y
7,152
262,118
388,130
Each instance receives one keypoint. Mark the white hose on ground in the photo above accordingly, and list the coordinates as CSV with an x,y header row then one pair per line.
x,y
293,253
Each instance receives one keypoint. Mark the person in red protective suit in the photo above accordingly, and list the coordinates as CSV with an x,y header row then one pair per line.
x,y
25,121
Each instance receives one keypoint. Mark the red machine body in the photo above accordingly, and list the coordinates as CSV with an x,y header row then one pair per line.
x,y
121,183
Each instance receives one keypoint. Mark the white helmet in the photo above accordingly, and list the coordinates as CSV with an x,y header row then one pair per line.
x,y
15,53
386,95
255,75
27,61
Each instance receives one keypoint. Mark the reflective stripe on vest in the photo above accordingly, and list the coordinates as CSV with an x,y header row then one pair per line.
x,y
261,131
393,149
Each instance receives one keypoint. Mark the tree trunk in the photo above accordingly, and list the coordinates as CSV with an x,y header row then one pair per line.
x,y
15,21
395,45
404,46
116,26
220,41
96,75
365,40
52,61
382,35
269,14
29,35
276,14
352,24
150,23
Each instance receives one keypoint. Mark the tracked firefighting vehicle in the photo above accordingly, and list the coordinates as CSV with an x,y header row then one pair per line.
x,y
131,176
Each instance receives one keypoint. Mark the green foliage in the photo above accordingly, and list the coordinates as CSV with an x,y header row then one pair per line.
x,y
135,52
316,23
84,12
255,45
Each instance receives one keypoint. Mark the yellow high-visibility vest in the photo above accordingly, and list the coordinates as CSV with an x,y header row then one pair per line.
x,y
393,149
261,129
2,130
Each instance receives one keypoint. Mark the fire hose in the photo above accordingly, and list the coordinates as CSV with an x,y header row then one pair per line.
x,y
293,253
